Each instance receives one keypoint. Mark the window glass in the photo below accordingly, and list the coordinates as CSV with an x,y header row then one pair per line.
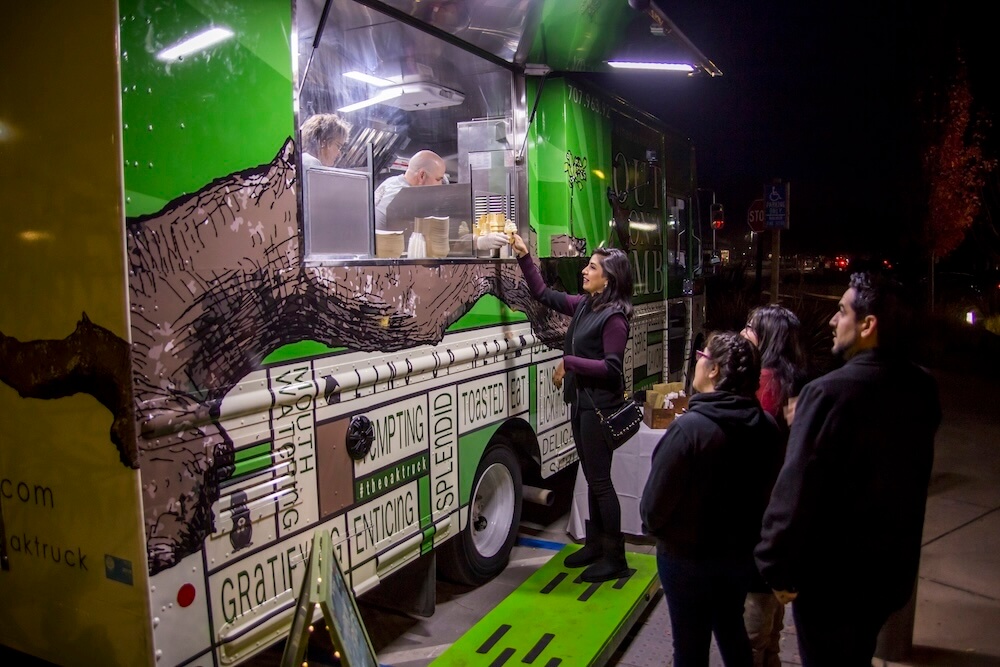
x,y
377,96
677,251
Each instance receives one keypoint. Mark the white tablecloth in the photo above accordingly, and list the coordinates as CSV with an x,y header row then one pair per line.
x,y
629,470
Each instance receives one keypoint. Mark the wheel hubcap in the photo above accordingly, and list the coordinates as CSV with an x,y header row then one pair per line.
x,y
492,510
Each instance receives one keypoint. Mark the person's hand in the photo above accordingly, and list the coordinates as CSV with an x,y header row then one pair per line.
x,y
491,241
784,597
559,373
789,409
520,248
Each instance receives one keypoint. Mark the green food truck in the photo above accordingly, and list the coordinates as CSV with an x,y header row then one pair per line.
x,y
212,346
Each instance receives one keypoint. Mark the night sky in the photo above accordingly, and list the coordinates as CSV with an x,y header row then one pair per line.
x,y
823,95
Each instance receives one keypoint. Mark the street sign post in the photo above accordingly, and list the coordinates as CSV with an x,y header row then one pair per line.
x,y
776,219
776,206
755,216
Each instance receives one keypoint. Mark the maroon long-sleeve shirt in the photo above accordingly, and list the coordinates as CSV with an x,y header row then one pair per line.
x,y
614,334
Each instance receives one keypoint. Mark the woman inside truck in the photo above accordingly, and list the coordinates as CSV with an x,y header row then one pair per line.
x,y
323,137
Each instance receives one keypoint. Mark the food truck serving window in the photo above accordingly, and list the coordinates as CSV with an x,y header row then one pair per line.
x,y
406,149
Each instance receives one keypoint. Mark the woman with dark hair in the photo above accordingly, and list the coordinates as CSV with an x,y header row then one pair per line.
x,y
591,375
709,482
774,330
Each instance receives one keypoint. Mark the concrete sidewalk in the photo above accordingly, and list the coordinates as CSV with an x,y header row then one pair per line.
x,y
958,594
957,622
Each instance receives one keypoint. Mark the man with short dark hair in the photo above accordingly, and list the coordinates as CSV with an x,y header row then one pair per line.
x,y
841,534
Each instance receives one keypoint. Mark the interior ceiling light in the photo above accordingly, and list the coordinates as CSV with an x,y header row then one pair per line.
x,y
380,97
411,97
664,67
368,78
202,40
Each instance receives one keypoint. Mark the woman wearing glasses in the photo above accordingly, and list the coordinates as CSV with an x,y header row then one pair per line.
x,y
323,137
709,483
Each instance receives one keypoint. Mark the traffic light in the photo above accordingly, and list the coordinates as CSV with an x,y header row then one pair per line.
x,y
718,216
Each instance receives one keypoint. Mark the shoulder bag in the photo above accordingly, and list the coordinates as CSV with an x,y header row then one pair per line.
x,y
621,424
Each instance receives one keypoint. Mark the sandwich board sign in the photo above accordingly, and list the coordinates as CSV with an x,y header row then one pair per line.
x,y
324,586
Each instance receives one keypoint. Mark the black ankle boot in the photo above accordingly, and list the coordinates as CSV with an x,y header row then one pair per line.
x,y
612,564
590,551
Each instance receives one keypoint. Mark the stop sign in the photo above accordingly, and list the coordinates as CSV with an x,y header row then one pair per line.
x,y
755,216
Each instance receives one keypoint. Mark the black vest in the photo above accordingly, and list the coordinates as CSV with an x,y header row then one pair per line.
x,y
584,338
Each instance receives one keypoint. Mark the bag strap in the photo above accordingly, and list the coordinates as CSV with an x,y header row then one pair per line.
x,y
591,398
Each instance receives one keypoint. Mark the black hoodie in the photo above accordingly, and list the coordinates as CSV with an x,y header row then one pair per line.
x,y
711,477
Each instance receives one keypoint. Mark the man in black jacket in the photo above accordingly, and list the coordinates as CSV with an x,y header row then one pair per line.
x,y
841,534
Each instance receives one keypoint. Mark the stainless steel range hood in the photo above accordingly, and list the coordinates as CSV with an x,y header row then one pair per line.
x,y
558,35
405,73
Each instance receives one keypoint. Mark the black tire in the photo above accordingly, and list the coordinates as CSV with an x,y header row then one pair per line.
x,y
482,550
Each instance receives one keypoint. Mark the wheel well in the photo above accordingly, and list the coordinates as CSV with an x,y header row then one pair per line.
x,y
517,434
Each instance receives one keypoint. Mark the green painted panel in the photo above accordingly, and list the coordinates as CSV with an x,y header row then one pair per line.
x,y
222,110
302,350
572,27
472,446
390,477
487,311
586,144
570,168
252,459
647,383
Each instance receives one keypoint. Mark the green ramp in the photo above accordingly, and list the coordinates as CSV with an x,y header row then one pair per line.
x,y
554,618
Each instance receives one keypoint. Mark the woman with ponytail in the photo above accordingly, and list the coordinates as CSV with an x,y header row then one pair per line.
x,y
708,486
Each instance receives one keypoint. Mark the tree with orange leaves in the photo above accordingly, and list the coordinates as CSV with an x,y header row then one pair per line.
x,y
955,168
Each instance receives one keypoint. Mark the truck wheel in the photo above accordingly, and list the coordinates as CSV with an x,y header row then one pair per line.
x,y
481,551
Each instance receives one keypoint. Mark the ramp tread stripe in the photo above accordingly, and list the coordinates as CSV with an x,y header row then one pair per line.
x,y
553,662
624,580
551,586
493,639
503,657
589,592
537,649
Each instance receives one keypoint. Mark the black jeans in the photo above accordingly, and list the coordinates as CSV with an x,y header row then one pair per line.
x,y
837,628
595,460
706,597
